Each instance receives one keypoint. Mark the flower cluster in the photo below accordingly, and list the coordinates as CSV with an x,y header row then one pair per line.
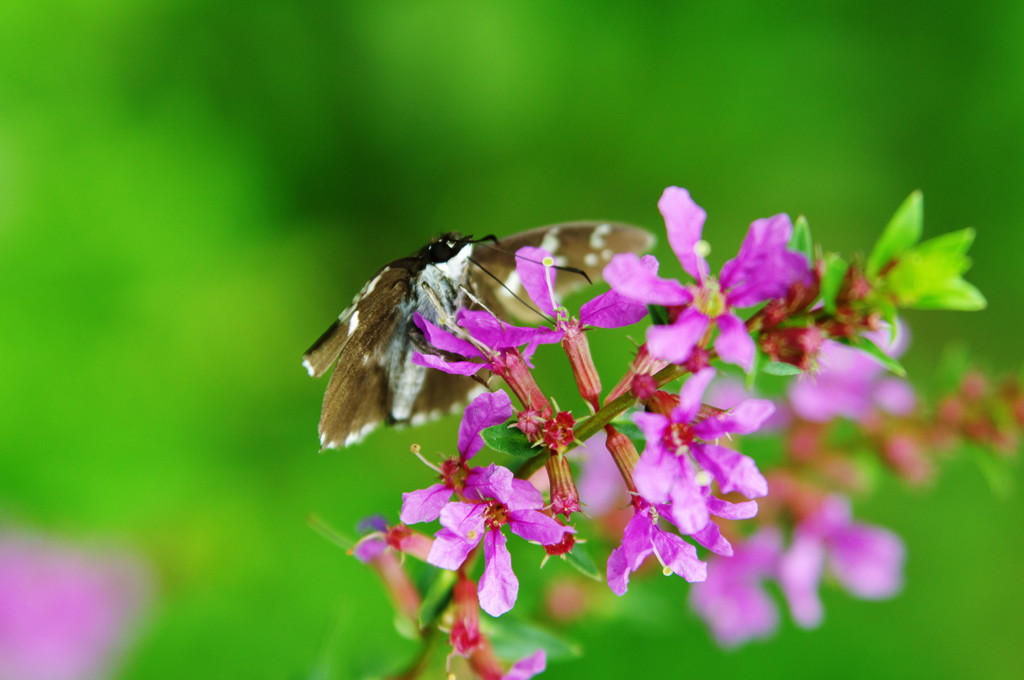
x,y
867,561
660,471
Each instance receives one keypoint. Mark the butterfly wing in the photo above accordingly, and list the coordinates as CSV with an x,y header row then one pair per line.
x,y
587,246
357,397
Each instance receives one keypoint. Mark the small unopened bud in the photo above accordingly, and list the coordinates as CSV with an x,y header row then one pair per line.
x,y
564,546
576,347
623,453
698,361
565,499
797,346
662,402
644,386
558,432
531,422
465,636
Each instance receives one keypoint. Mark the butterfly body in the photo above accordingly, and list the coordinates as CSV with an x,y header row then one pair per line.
x,y
372,342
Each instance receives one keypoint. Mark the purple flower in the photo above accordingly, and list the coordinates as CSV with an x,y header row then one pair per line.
x,y
867,561
763,269
851,383
733,600
504,501
491,339
424,505
536,271
64,613
373,544
679,461
642,537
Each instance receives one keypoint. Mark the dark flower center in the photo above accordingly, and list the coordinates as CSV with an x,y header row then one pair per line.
x,y
678,437
496,515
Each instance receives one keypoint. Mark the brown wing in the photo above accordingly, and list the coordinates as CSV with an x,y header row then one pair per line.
x,y
443,393
356,400
587,246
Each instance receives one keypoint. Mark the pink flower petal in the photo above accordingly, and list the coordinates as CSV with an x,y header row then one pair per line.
x,y
497,334
465,520
727,510
490,408
612,310
493,481
711,538
689,511
690,395
867,560
443,339
499,586
799,575
734,344
655,474
679,556
684,222
449,550
536,526
524,669
424,505
537,280
453,367
636,279
732,470
524,496
675,343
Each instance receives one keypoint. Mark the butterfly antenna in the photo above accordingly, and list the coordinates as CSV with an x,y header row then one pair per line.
x,y
560,267
510,292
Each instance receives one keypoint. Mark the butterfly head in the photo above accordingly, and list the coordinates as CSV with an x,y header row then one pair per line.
x,y
444,248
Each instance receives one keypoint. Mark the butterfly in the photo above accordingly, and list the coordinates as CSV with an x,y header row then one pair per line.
x,y
372,342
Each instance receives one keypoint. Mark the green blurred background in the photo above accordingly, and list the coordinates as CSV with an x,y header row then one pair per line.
x,y
190,191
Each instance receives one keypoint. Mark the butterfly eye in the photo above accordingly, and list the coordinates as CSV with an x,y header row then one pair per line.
x,y
440,252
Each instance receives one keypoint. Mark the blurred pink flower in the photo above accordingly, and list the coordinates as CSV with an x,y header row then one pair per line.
x,y
65,613
852,384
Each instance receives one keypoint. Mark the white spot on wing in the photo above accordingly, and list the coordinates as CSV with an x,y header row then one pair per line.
x,y
597,236
368,288
551,240
308,366
425,417
591,259
511,285
353,322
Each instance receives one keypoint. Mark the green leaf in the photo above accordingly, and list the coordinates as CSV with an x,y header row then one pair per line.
x,y
505,439
930,275
801,242
902,232
780,368
952,246
515,639
874,350
957,295
658,314
832,280
581,560
436,597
